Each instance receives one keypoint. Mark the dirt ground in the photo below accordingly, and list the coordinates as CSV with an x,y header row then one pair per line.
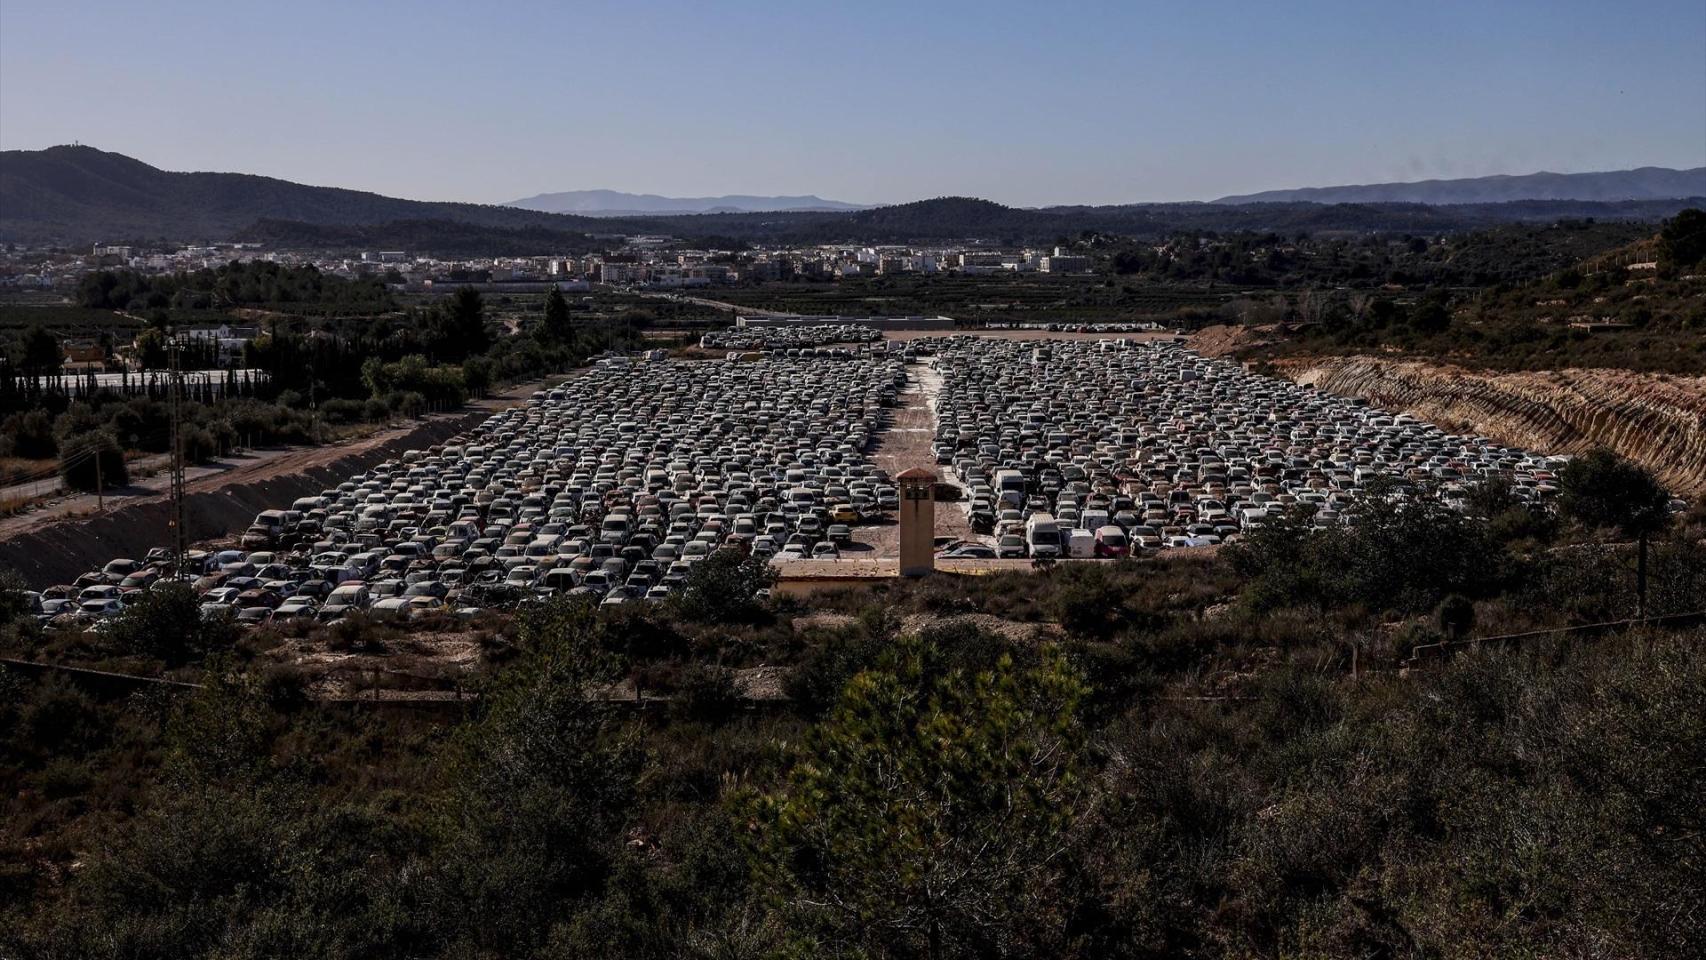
x,y
1657,420
902,444
247,467
425,661
1223,340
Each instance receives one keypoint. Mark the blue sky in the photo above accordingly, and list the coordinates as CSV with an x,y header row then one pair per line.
x,y
1024,103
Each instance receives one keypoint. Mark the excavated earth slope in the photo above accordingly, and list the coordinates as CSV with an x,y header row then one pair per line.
x,y
1656,420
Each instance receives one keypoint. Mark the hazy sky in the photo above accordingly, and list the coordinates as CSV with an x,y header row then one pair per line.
x,y
1026,103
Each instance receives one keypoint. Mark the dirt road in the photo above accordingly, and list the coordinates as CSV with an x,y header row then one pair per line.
x,y
904,443
51,484
258,464
713,304
252,465
55,544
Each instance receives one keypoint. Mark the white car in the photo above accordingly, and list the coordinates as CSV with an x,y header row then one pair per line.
x,y
100,609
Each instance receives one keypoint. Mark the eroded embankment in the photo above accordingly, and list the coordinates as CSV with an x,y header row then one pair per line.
x,y
1655,419
62,549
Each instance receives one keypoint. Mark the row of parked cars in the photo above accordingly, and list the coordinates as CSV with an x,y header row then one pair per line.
x,y
804,336
1138,326
615,483
611,486
1103,448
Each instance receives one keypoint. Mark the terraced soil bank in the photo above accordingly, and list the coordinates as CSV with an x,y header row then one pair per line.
x,y
1656,420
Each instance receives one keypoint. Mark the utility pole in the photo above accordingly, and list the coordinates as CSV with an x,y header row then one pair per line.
x,y
175,389
313,404
313,409
100,491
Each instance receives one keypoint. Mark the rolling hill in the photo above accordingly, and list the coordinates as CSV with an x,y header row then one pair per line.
x,y
946,219
78,193
1645,183
614,203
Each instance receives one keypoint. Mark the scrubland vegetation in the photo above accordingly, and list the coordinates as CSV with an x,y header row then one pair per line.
x,y
1197,755
1637,306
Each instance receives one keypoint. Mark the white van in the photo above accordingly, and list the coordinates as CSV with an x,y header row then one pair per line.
x,y
1080,544
1042,535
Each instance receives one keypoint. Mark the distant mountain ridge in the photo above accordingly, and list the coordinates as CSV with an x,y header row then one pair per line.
x,y
77,195
81,193
615,203
1643,183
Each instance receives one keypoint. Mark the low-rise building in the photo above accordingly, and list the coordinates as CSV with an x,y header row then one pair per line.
x,y
1065,264
84,357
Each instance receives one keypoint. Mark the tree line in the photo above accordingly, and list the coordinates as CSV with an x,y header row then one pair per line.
x,y
238,283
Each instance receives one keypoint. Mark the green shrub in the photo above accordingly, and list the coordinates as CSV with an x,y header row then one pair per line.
x,y
166,622
1456,615
1087,601
29,435
93,461
706,692
723,588
408,403
13,607
829,661
343,410
1601,489
931,803
1398,553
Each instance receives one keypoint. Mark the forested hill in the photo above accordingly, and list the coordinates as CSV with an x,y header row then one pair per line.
x,y
78,195
966,218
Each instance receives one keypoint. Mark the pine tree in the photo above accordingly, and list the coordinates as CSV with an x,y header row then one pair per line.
x,y
934,798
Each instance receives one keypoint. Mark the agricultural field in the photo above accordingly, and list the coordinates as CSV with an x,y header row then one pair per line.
x,y
63,320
